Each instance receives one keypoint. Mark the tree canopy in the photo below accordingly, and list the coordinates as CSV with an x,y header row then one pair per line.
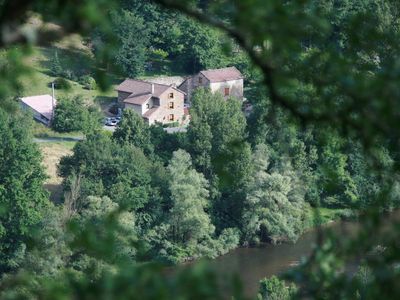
x,y
23,198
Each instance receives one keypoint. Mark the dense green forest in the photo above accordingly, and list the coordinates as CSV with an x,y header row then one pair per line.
x,y
322,79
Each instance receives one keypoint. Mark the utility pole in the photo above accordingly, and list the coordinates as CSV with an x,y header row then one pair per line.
x,y
52,100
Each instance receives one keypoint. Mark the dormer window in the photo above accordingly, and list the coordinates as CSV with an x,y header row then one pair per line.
x,y
171,95
171,105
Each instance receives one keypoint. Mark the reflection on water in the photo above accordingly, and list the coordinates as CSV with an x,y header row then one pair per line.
x,y
253,264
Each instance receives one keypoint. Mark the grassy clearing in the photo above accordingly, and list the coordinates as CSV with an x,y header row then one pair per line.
x,y
52,153
78,61
323,215
75,56
42,131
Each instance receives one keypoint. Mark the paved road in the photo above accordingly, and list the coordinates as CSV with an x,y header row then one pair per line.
x,y
58,139
175,129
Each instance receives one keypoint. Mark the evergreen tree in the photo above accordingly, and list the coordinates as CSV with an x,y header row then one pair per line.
x,y
56,68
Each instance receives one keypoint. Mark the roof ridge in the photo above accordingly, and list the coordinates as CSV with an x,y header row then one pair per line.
x,y
218,69
222,74
36,96
138,95
148,82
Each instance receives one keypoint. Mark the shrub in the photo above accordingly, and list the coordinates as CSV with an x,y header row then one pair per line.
x,y
331,202
88,82
61,83
173,124
275,289
346,214
69,74
72,115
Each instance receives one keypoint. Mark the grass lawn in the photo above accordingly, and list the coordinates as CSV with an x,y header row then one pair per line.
x,y
77,61
42,131
76,58
52,153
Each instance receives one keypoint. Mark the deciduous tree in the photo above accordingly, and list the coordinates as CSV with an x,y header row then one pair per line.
x,y
189,221
135,131
22,195
275,205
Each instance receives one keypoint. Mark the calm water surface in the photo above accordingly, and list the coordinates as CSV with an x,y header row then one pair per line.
x,y
253,264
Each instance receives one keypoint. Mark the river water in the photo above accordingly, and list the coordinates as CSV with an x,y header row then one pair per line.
x,y
252,264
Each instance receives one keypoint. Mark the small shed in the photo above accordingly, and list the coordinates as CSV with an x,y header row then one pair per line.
x,y
41,106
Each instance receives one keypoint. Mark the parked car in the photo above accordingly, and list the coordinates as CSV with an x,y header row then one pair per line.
x,y
111,122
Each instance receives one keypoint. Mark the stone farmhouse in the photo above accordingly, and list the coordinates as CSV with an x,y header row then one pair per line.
x,y
160,101
156,103
227,81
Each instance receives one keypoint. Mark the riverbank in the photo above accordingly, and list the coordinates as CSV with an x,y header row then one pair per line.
x,y
248,265
319,216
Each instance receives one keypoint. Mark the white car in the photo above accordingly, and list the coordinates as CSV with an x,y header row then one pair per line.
x,y
111,122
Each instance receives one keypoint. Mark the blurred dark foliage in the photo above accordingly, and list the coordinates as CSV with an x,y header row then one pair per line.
x,y
330,64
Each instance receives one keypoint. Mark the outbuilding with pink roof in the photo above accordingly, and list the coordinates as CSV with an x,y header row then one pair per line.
x,y
41,106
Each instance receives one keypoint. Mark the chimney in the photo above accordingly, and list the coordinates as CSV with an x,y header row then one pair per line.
x,y
152,88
